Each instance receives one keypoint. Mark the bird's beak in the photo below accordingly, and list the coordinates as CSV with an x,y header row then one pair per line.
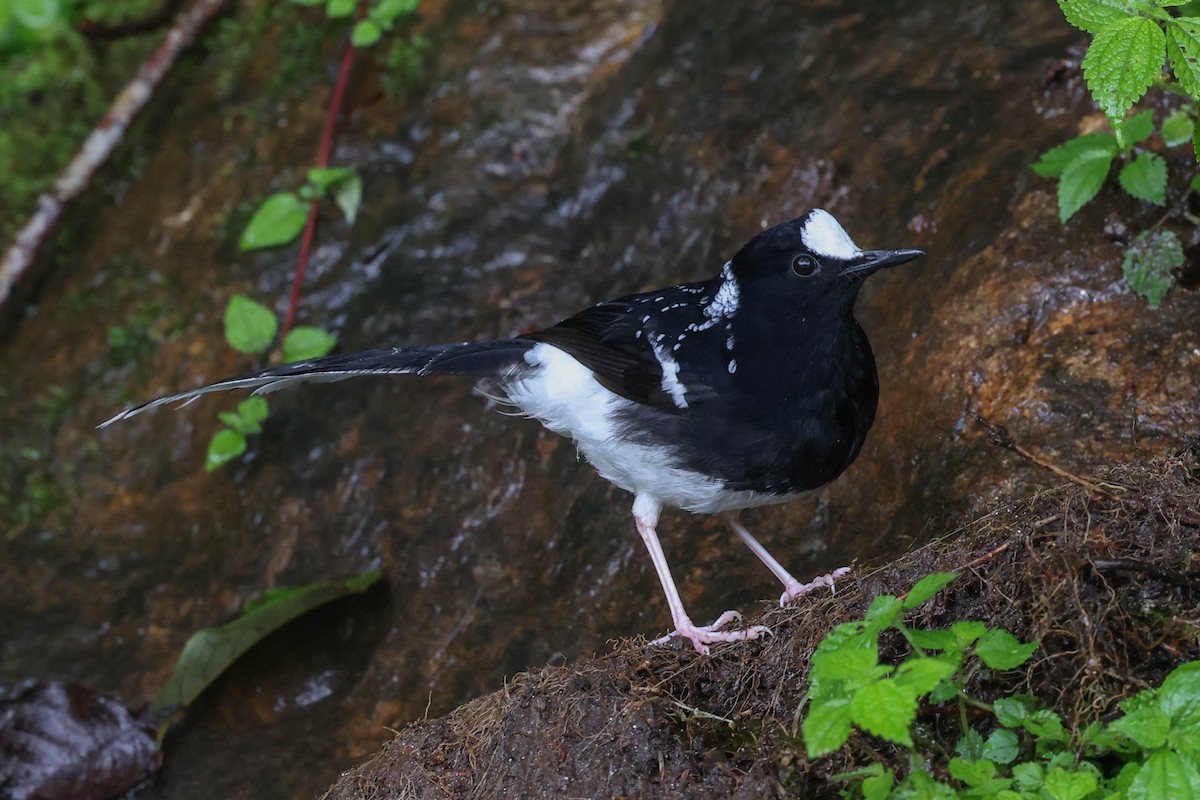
x,y
869,261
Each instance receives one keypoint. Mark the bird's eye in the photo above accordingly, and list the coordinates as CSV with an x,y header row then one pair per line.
x,y
805,266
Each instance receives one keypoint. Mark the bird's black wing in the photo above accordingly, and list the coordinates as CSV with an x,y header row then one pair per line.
x,y
626,343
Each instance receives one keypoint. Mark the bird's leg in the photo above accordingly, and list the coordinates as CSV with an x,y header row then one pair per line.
x,y
645,515
792,588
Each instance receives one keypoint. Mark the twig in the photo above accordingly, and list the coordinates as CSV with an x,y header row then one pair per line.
x,y
310,225
999,436
101,143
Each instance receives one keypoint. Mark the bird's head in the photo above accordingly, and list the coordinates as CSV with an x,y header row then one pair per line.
x,y
810,259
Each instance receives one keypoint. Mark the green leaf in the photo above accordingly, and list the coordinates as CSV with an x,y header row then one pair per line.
x,y
304,342
937,639
1179,695
967,632
1122,61
886,710
392,9
225,445
1165,776
322,178
1183,49
1011,712
999,649
249,326
926,588
826,727
1055,160
943,692
972,772
1145,178
1028,775
969,745
1002,746
253,409
1092,15
236,423
38,15
1147,728
878,787
366,33
1194,184
336,9
919,675
1045,724
277,221
1061,784
884,612
1081,181
1137,128
210,651
1149,263
1178,128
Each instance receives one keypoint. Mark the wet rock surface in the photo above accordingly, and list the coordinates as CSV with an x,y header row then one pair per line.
x,y
556,154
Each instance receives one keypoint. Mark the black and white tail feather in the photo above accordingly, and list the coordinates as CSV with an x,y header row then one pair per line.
x,y
471,359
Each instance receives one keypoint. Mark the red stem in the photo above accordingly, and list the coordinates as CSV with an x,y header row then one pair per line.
x,y
335,105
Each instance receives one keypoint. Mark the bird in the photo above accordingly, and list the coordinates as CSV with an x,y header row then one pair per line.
x,y
743,390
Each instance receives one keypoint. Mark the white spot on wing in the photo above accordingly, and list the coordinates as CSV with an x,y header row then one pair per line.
x,y
670,376
825,237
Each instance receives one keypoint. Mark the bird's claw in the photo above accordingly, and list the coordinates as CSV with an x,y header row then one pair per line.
x,y
701,636
797,589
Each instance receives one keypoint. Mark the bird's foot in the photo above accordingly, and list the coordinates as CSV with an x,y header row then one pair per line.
x,y
701,636
797,589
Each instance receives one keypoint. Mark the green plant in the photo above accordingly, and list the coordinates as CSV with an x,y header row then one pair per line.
x,y
281,217
379,16
250,328
1152,752
1131,42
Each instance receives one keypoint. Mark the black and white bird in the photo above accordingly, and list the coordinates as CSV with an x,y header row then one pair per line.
x,y
739,391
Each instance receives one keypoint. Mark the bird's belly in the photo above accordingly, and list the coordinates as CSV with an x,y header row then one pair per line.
x,y
564,396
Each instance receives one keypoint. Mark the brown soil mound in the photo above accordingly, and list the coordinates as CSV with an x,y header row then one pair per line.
x,y
1105,580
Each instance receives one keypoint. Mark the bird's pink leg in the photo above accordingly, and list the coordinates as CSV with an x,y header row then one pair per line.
x,y
645,515
792,588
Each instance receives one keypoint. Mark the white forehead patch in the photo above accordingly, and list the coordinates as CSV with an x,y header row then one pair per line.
x,y
825,237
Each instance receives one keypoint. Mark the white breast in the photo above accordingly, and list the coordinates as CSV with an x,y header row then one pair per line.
x,y
565,396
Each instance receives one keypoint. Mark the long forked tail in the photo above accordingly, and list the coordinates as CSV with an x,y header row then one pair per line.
x,y
476,359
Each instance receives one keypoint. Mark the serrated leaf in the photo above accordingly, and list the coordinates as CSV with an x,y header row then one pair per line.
x,y
972,772
1165,776
1145,178
1092,15
826,727
1081,181
277,221
943,692
1045,724
225,445
304,342
884,611
1149,264
1137,128
1122,61
1012,711
878,787
853,665
970,745
886,710
249,326
1178,128
927,587
1183,51
1179,695
1147,728
210,651
919,675
999,649
1028,775
1055,160
1062,784
1002,746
